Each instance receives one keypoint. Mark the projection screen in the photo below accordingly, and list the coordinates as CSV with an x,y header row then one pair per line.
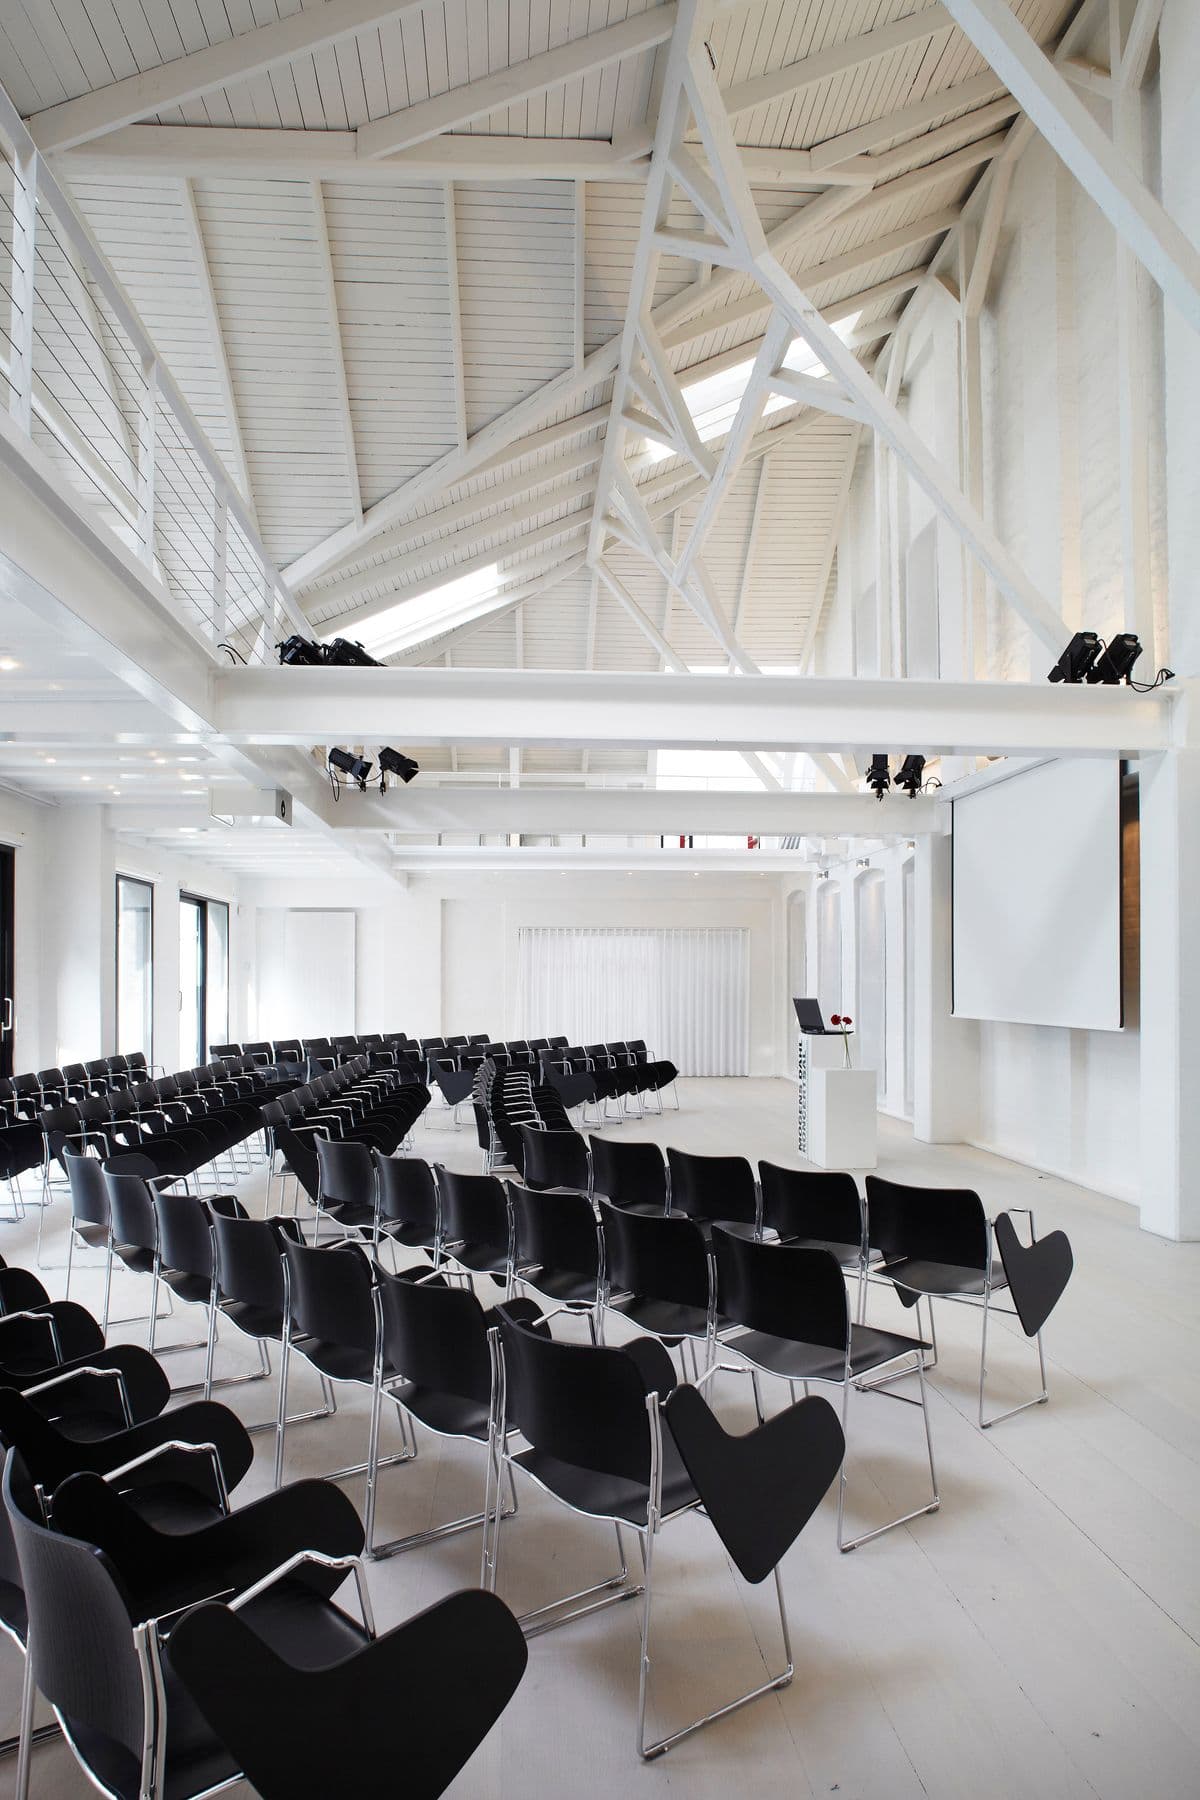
x,y
1037,897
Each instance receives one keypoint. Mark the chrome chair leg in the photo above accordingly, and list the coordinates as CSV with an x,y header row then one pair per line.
x,y
1038,1400
931,1506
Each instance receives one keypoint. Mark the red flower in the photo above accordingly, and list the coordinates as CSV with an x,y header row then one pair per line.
x,y
846,1019
835,1018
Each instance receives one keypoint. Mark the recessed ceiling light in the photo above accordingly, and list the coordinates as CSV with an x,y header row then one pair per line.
x,y
8,664
85,778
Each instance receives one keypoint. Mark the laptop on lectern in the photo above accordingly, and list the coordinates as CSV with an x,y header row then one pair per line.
x,y
808,1012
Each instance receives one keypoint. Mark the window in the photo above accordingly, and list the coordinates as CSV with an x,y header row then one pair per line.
x,y
203,976
135,966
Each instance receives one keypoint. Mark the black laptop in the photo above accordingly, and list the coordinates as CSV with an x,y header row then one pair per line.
x,y
808,1012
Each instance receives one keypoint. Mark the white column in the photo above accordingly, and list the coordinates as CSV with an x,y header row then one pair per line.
x,y
945,1049
1170,994
77,943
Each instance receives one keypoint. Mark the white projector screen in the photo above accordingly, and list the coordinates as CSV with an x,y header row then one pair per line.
x,y
1037,898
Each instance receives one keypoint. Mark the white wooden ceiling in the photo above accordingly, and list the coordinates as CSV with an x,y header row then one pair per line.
x,y
340,332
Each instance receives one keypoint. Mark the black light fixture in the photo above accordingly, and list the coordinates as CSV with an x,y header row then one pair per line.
x,y
1076,660
394,762
879,778
911,775
358,768
1114,663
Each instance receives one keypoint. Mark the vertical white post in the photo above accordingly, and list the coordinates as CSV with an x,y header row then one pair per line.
x,y
945,1049
147,435
1132,369
24,266
971,417
1169,1027
220,561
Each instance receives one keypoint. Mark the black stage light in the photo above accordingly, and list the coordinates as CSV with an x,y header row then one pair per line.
x,y
1114,664
394,762
356,767
1077,658
911,776
879,779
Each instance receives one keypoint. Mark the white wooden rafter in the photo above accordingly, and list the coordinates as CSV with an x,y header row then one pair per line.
x,y
216,332
341,386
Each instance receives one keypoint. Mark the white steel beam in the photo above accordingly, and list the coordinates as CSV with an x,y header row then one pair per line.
x,y
755,712
520,81
185,78
329,282
292,154
457,361
1069,128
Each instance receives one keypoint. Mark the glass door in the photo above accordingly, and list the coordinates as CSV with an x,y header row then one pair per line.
x,y
135,967
191,981
203,977
8,859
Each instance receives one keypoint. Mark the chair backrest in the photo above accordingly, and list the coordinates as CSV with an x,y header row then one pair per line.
x,y
554,1159
346,1172
712,1187
249,1257
288,1050
811,1203
785,1289
136,1059
184,1234
91,1676
657,1257
579,1403
332,1295
474,1209
132,1207
944,1225
407,1190
556,1231
435,1335
455,1084
628,1171
89,1194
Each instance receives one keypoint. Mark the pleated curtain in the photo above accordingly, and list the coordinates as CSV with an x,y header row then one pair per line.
x,y
685,992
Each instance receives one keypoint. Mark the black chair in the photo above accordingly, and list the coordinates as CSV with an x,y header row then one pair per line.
x,y
593,1420
554,1159
821,1209
346,1192
128,1720
437,1336
719,1189
658,1274
558,1250
90,1218
476,1222
791,1303
453,1084
334,1323
457,1665
938,1243
631,1173
408,1202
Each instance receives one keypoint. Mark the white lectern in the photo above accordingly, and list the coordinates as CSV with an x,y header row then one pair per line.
x,y
837,1106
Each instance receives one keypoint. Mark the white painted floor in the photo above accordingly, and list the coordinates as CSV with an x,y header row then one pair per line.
x,y
1036,1638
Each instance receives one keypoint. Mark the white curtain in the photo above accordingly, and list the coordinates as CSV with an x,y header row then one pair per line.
x,y
685,992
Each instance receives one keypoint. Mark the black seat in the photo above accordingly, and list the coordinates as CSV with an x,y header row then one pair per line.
x,y
90,1219
554,1159
556,1244
791,1302
822,1209
938,1243
346,1192
657,1274
408,1202
714,1188
611,1436
476,1223
631,1173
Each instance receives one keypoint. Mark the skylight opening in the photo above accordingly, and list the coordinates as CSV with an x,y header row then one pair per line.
x,y
441,609
713,401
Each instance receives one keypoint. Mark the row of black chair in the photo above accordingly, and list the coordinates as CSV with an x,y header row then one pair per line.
x,y
375,1107
133,1591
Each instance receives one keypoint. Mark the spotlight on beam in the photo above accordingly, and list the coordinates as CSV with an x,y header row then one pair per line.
x,y
911,776
1115,663
358,768
1077,659
879,778
394,762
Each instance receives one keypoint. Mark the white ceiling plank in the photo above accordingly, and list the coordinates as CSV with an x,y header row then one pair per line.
x,y
212,315
325,257
189,77
520,81
1069,128
836,59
